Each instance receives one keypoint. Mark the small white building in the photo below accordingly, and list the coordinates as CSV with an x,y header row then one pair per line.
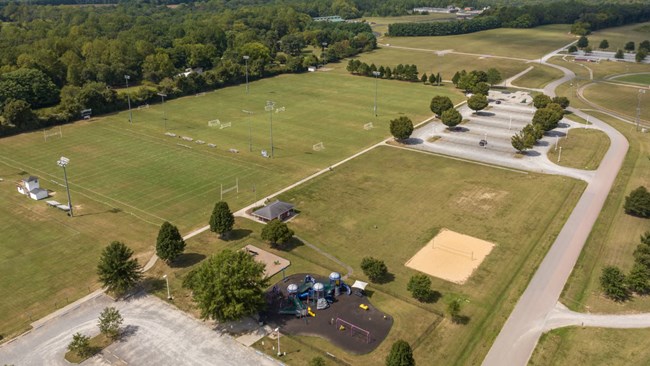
x,y
30,187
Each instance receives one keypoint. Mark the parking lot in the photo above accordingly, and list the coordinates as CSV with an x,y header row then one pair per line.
x,y
485,136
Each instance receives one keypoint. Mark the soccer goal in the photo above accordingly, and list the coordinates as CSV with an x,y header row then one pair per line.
x,y
52,132
233,188
225,125
214,123
318,147
465,253
368,126
199,95
144,106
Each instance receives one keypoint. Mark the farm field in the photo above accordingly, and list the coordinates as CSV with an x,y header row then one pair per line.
x,y
517,43
428,62
147,177
584,149
592,346
617,37
355,205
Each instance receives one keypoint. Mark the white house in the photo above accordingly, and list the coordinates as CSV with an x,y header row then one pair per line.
x,y
30,187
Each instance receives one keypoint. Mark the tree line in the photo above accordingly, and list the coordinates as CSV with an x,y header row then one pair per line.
x,y
547,116
443,28
73,57
400,72
640,55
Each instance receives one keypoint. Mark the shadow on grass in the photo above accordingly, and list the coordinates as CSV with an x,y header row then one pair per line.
x,y
237,234
460,319
388,277
187,260
148,285
432,297
292,244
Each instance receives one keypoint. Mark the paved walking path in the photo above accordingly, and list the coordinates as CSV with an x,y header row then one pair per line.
x,y
560,317
519,336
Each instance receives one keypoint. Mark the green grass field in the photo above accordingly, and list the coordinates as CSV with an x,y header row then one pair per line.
x,y
429,62
148,177
380,24
507,42
592,346
538,77
617,37
384,188
639,79
620,99
584,149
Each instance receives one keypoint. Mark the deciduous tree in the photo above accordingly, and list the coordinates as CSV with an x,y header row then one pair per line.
x,y
420,287
80,345
541,101
440,104
401,128
493,76
619,54
170,243
637,203
374,268
603,44
228,286
117,271
109,322
629,46
477,102
451,118
221,220
400,354
276,233
582,42
638,280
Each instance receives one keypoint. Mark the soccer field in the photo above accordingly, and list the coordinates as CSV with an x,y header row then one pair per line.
x,y
126,179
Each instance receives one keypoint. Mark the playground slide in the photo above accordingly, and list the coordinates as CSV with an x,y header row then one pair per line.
x,y
297,308
298,303
347,289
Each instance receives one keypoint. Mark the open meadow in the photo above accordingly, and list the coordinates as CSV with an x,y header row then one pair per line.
x,y
126,179
593,347
526,44
390,202
617,37
538,77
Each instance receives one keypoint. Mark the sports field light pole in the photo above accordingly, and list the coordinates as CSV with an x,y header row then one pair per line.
x,y
169,295
128,97
376,74
638,108
250,130
163,95
63,162
246,57
278,331
269,107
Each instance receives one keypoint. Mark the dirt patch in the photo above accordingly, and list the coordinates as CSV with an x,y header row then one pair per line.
x,y
274,263
451,256
479,198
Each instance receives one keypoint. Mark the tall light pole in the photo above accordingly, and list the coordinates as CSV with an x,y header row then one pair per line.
x,y
278,331
638,108
128,97
169,295
250,130
163,95
63,162
269,107
246,57
376,74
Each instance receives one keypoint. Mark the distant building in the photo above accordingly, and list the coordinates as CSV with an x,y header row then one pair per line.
x,y
276,210
189,70
333,19
30,187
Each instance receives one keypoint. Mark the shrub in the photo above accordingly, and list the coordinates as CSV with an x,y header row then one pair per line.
x,y
375,269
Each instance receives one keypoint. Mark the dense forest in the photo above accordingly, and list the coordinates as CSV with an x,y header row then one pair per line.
x,y
74,57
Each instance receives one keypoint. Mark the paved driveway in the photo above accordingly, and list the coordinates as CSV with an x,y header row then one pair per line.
x,y
155,334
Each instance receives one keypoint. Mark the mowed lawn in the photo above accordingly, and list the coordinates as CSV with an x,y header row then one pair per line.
x,y
429,62
640,79
592,346
146,177
48,259
617,37
380,24
518,43
620,99
583,149
389,202
538,77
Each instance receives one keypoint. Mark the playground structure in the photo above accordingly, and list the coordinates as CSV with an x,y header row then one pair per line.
x,y
351,323
311,293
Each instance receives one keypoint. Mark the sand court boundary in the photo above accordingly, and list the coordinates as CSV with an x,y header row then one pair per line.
x,y
451,256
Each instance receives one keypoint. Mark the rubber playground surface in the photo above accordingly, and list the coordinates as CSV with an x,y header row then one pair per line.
x,y
344,322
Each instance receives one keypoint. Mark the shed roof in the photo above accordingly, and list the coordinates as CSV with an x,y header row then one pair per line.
x,y
273,210
31,178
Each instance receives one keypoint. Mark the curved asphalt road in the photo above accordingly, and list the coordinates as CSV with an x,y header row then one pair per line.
x,y
520,334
